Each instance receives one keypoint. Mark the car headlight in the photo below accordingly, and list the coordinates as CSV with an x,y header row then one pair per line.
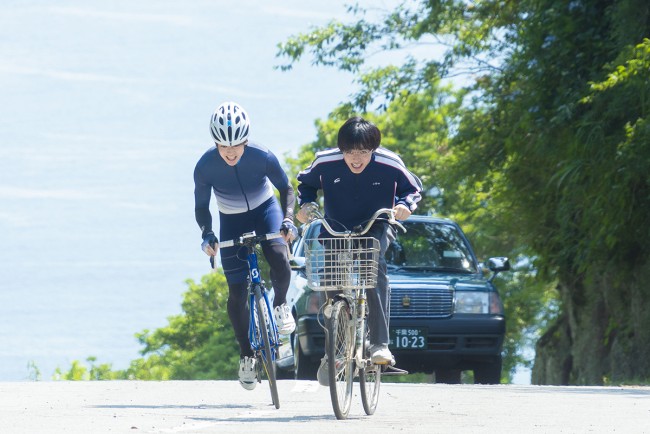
x,y
478,302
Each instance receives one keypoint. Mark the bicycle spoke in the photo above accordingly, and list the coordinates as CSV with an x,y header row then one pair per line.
x,y
369,381
266,354
340,360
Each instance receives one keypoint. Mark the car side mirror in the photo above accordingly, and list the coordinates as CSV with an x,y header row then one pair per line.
x,y
498,264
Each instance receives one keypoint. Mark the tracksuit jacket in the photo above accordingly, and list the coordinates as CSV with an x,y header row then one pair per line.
x,y
351,199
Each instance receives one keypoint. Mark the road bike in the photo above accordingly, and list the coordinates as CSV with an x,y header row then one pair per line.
x,y
346,265
262,330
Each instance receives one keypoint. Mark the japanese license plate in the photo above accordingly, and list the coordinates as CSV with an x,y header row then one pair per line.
x,y
411,338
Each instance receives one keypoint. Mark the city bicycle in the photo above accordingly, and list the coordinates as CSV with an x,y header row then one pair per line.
x,y
346,265
262,329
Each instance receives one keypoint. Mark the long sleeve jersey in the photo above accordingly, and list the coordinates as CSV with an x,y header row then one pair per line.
x,y
241,187
351,199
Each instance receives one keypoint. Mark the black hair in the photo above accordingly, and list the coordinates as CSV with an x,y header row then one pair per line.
x,y
358,134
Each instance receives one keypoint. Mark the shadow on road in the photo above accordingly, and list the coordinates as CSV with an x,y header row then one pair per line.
x,y
258,419
589,390
195,407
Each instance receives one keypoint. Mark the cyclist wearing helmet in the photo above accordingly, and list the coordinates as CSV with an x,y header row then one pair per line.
x,y
242,175
356,180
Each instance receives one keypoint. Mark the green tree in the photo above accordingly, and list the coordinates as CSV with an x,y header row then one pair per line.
x,y
547,158
418,127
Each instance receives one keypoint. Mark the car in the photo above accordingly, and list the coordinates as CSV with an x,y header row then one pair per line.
x,y
446,315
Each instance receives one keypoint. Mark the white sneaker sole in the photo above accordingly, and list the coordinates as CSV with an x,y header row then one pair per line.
x,y
382,361
286,331
248,386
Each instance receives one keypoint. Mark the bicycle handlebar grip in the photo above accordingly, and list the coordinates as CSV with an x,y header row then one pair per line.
x,y
313,211
231,243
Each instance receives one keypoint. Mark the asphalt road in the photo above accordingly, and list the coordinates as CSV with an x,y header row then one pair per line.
x,y
224,407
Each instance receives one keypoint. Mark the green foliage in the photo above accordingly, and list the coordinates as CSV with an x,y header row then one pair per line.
x,y
547,157
479,31
79,372
196,344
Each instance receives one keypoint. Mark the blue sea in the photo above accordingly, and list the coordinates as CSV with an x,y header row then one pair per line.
x,y
105,110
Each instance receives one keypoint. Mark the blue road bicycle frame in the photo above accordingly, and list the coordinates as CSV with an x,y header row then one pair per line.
x,y
265,343
256,281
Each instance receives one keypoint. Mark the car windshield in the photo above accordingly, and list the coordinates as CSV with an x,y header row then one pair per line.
x,y
428,246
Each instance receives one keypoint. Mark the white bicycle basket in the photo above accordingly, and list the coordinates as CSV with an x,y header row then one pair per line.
x,y
341,263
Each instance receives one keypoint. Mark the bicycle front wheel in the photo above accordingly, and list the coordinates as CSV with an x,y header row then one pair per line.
x,y
340,351
369,380
267,354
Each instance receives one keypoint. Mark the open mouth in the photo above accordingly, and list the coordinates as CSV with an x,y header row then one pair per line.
x,y
356,165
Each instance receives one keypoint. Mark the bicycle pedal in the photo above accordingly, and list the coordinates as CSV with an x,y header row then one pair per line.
x,y
392,370
387,363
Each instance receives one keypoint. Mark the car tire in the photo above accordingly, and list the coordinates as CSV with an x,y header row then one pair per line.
x,y
488,373
448,376
304,367
283,374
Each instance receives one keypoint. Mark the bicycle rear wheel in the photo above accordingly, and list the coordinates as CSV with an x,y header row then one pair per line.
x,y
267,354
369,380
340,350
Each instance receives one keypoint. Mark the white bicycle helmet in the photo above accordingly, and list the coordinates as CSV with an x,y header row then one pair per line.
x,y
229,124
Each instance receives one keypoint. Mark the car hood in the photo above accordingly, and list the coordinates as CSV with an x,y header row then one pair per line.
x,y
418,280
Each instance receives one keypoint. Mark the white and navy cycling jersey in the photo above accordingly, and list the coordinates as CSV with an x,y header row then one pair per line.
x,y
239,188
351,199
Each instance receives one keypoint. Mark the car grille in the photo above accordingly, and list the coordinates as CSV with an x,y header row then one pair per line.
x,y
430,302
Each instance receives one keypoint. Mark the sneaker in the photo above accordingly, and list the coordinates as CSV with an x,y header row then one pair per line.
x,y
284,320
381,355
247,373
323,373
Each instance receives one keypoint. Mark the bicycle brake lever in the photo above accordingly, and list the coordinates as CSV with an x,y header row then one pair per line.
x,y
399,225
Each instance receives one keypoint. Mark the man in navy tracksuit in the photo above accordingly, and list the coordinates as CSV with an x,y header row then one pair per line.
x,y
242,176
357,179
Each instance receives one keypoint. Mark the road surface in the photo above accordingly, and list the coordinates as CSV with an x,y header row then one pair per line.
x,y
224,407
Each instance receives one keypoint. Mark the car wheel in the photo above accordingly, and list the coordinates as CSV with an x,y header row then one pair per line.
x,y
304,368
488,373
448,376
283,374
